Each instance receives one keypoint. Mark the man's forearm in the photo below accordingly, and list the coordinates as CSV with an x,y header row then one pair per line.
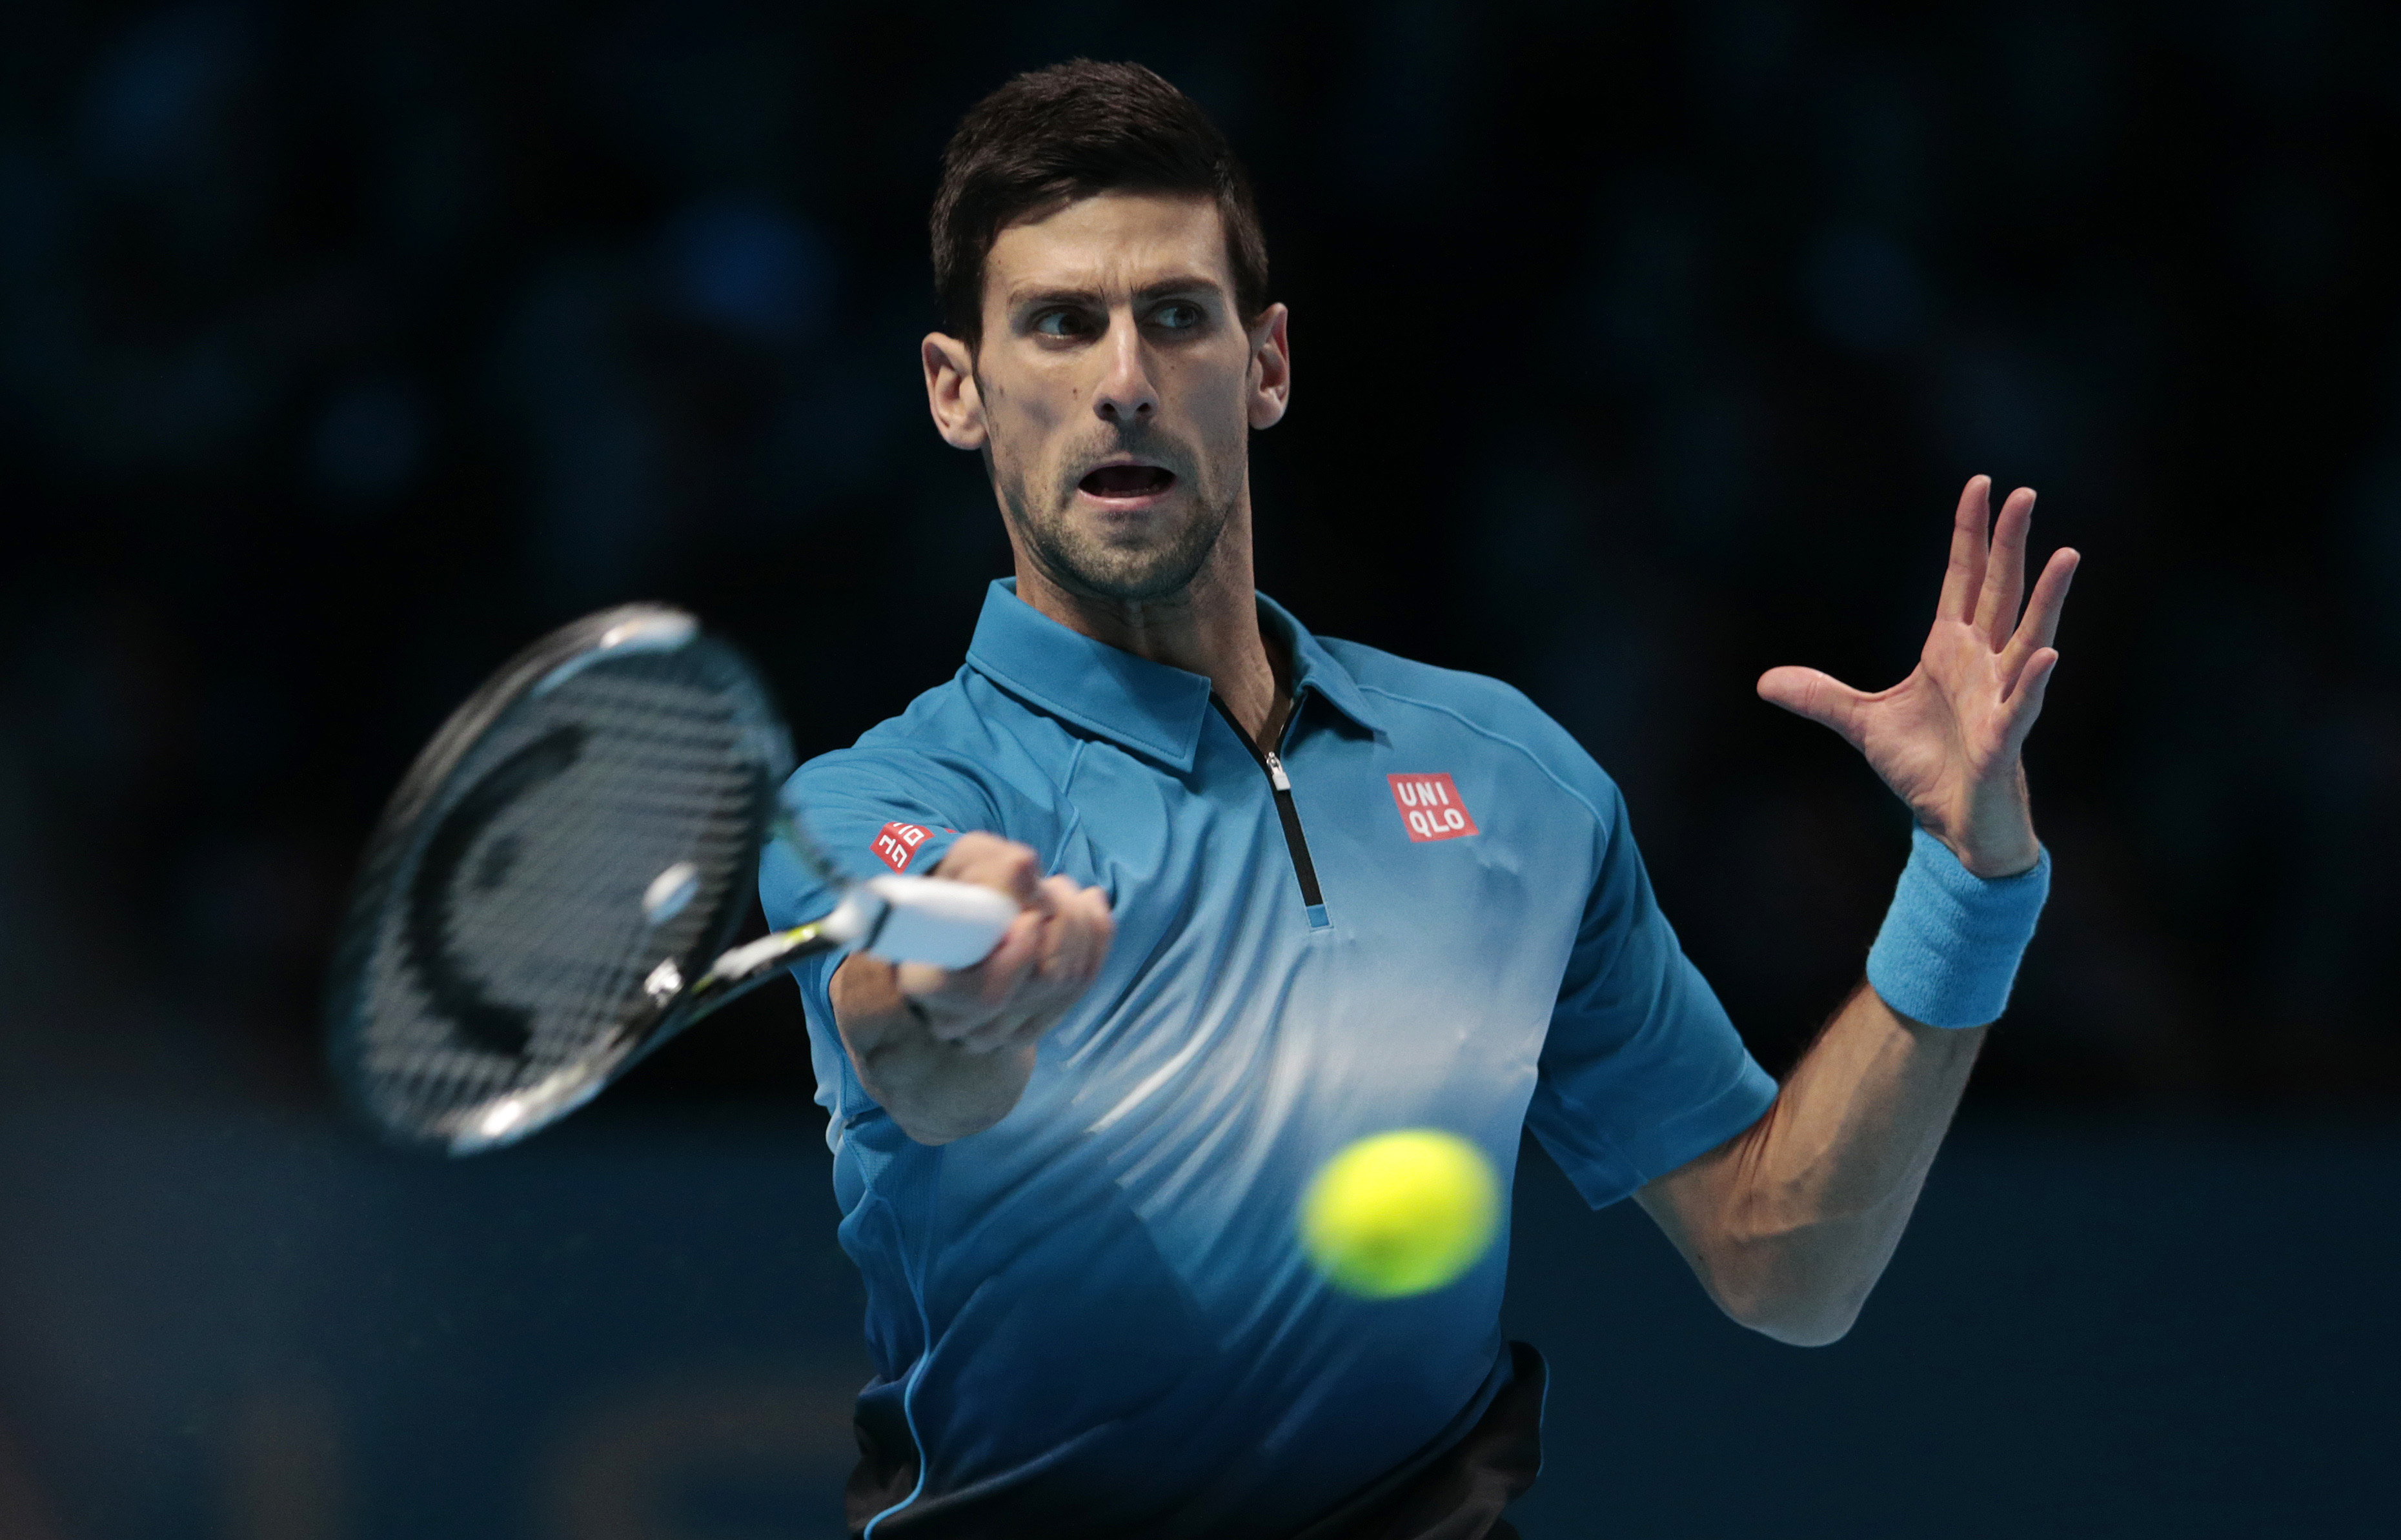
x,y
1810,1202
1791,1223
935,1091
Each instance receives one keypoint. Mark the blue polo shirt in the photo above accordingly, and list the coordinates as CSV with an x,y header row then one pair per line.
x,y
1099,1307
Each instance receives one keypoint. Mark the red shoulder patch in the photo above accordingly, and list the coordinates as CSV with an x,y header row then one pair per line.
x,y
897,845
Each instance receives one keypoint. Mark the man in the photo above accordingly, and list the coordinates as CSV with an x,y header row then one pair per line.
x,y
1070,1174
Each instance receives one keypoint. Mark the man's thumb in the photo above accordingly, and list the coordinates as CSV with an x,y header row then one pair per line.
x,y
1813,693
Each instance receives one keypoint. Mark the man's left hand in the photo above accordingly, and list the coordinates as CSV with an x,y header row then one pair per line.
x,y
1947,739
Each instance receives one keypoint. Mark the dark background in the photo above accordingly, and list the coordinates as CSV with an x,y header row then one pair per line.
x,y
345,349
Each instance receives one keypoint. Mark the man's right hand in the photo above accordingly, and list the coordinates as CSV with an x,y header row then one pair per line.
x,y
947,1052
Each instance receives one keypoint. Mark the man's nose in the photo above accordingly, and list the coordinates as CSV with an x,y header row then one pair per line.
x,y
1126,393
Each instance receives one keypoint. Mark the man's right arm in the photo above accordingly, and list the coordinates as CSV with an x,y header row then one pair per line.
x,y
948,1053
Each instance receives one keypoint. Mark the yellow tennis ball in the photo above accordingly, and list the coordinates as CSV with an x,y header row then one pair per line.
x,y
1401,1213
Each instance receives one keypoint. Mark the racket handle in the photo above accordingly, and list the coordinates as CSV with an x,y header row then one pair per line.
x,y
937,921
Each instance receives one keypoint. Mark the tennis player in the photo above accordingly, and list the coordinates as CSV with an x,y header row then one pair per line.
x,y
1282,892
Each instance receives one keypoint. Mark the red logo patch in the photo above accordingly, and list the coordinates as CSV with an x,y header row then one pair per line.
x,y
897,845
1431,808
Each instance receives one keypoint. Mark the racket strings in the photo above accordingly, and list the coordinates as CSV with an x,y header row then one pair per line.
x,y
542,913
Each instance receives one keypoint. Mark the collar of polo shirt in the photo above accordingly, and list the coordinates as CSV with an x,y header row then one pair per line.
x,y
1150,709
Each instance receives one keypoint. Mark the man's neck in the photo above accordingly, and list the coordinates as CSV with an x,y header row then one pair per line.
x,y
1209,628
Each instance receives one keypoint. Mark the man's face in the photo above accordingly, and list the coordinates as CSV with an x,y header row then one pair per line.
x,y
1115,388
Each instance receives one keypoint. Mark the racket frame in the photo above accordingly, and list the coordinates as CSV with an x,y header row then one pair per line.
x,y
396,847
949,924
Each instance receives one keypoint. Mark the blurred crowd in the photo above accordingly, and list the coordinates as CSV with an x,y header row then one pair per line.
x,y
344,348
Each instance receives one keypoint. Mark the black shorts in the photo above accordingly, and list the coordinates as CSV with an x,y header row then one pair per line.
x,y
1457,1495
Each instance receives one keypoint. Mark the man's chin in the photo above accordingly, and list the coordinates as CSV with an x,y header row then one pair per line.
x,y
1149,585
1139,575
1126,550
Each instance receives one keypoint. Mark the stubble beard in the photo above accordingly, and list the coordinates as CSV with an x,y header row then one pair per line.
x,y
1086,563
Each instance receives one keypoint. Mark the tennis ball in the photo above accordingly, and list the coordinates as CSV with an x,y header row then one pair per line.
x,y
1401,1213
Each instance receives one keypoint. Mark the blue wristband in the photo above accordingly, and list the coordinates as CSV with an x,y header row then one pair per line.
x,y
1951,942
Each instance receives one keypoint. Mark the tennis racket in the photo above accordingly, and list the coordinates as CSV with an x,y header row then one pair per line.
x,y
552,891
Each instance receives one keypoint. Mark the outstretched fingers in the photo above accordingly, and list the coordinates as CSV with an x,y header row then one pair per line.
x,y
2040,626
1815,695
2025,704
1996,607
1965,577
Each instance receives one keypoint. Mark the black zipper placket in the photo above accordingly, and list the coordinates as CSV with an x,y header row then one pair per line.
x,y
1287,812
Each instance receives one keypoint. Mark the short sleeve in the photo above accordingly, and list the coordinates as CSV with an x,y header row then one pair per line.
x,y
1641,1069
871,810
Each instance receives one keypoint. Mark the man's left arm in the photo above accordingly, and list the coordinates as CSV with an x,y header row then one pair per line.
x,y
1790,1223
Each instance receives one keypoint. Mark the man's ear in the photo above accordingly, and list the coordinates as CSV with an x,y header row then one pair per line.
x,y
951,393
1271,367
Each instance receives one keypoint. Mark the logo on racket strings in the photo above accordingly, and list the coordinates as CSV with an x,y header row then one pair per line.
x,y
1430,808
897,845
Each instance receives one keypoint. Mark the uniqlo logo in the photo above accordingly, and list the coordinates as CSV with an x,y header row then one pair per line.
x,y
1431,807
897,845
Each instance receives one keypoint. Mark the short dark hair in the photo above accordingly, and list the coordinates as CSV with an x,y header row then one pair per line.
x,y
1070,131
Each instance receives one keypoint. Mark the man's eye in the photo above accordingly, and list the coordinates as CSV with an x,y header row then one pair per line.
x,y
1179,316
1060,323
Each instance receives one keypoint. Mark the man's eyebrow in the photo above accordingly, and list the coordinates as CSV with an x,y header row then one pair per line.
x,y
1054,294
1179,284
1175,283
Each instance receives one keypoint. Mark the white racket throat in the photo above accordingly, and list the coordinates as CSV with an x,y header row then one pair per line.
x,y
900,919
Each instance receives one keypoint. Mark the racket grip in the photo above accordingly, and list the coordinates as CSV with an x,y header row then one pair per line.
x,y
937,921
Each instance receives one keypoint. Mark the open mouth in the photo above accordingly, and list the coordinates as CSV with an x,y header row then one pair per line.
x,y
1127,481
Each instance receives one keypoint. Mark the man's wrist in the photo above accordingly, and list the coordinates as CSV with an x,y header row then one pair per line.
x,y
1948,950
1993,834
1989,863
